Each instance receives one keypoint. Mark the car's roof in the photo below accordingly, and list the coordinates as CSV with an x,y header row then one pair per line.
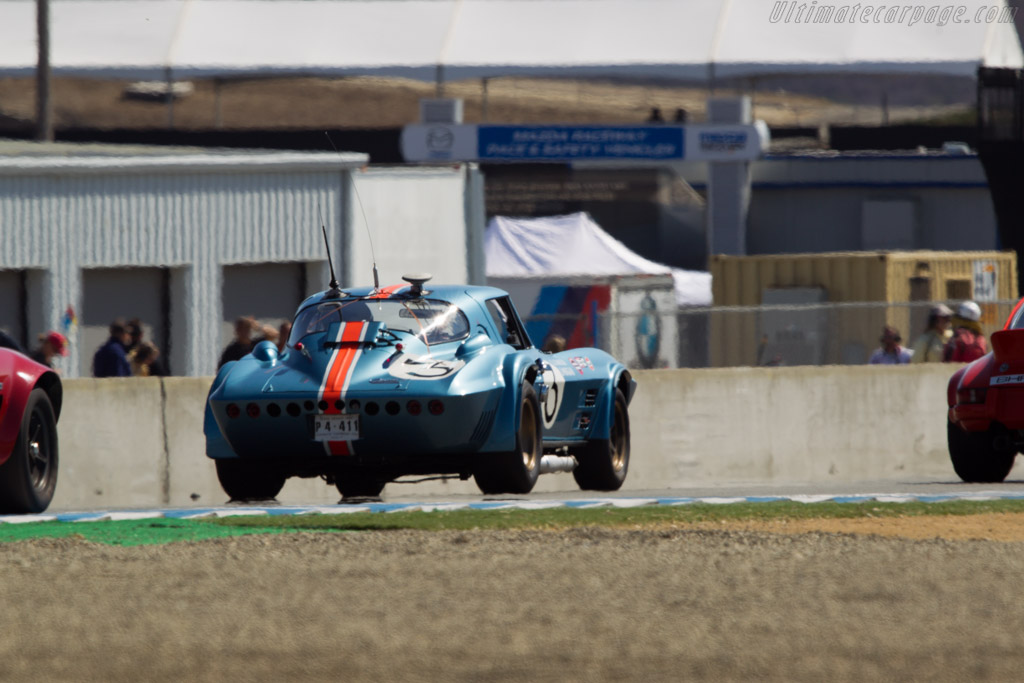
x,y
459,295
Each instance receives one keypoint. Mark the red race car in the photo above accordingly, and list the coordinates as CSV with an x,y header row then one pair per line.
x,y
985,430
30,400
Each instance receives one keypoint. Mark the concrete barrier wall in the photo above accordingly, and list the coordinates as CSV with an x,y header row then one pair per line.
x,y
139,442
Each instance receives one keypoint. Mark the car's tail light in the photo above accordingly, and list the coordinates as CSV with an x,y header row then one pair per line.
x,y
971,395
435,407
233,410
252,410
414,407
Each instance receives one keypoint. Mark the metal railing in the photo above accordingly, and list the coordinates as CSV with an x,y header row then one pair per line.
x,y
770,335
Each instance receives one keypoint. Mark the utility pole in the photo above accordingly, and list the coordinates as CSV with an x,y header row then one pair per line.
x,y
44,108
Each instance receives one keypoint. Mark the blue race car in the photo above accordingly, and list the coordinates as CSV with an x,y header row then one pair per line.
x,y
377,384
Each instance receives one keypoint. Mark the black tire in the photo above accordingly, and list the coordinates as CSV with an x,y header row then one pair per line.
x,y
516,471
603,463
246,480
29,477
359,486
975,457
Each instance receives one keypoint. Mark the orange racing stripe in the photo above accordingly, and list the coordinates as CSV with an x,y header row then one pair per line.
x,y
386,292
339,373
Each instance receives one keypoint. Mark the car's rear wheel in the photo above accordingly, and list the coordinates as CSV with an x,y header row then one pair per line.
x,y
603,463
975,456
359,486
29,477
517,470
245,480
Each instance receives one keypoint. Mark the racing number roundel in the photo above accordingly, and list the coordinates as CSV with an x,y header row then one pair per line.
x,y
556,389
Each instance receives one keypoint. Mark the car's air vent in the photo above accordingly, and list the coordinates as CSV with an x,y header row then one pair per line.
x,y
483,427
590,398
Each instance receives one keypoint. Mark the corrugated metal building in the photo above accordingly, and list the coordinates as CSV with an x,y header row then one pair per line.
x,y
188,240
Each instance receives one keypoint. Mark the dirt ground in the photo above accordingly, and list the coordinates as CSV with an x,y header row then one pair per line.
x,y
367,102
587,604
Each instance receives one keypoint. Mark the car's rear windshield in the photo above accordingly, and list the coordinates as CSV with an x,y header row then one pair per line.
x,y
435,322
1017,322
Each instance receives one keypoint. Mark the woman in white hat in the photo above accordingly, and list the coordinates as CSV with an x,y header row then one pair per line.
x,y
968,342
931,345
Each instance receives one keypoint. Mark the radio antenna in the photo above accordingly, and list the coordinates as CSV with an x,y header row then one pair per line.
x,y
334,291
366,223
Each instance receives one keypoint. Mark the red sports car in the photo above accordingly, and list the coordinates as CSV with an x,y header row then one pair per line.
x,y
30,400
986,407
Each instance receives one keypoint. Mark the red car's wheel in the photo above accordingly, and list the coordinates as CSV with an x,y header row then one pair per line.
x,y
29,477
975,457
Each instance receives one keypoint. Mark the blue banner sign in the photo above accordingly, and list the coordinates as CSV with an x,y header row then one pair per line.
x,y
553,143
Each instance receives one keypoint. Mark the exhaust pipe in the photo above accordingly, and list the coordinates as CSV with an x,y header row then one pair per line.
x,y
557,463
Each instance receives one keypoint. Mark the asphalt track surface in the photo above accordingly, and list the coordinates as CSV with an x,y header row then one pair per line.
x,y
402,497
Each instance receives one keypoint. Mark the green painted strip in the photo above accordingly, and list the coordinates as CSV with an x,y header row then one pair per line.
x,y
130,533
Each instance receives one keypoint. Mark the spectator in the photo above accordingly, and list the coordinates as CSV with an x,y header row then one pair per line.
x,y
142,358
890,352
267,333
111,359
155,367
284,331
655,116
554,344
242,343
968,342
930,346
50,344
134,327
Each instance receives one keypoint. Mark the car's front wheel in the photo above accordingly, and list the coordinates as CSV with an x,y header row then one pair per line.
x,y
246,480
29,477
975,456
516,471
603,463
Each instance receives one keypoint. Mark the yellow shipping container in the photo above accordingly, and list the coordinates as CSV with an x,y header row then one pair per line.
x,y
846,334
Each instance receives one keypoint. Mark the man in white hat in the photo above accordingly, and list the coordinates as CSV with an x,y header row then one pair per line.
x,y
968,341
930,346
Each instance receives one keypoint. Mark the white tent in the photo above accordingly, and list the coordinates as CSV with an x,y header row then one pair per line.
x,y
448,39
573,246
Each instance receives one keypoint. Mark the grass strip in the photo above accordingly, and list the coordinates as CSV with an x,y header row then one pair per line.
x,y
653,515
131,532
160,530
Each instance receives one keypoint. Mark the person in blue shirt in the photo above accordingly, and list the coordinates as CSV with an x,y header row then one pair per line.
x,y
890,352
111,359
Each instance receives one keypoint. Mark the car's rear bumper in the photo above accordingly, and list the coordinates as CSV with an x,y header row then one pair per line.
x,y
1004,406
283,426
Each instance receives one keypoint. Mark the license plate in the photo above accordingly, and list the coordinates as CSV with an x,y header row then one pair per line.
x,y
336,427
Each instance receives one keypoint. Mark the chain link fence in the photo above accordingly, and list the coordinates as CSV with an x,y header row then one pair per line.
x,y
737,336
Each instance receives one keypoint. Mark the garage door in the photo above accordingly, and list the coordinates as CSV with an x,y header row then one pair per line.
x,y
269,292
12,305
125,293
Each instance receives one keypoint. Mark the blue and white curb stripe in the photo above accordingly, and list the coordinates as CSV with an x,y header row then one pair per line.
x,y
340,509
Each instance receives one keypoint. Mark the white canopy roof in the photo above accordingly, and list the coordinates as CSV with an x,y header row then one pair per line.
x,y
575,246
477,38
